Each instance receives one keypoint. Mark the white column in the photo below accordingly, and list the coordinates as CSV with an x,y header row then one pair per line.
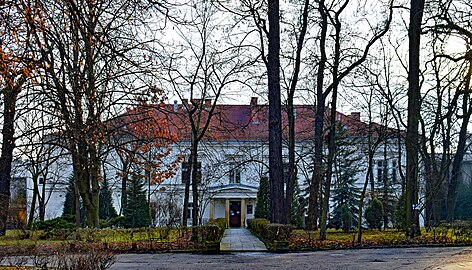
x,y
243,212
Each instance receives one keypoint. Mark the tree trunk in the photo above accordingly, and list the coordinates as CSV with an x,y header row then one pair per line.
x,y
364,192
385,190
277,200
8,144
42,200
461,145
85,178
195,184
33,200
317,178
332,128
95,187
414,107
186,197
292,175
78,215
124,183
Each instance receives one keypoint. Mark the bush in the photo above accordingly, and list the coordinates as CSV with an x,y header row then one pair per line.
x,y
257,225
374,214
89,258
112,223
220,222
91,235
56,223
58,228
462,230
276,232
209,233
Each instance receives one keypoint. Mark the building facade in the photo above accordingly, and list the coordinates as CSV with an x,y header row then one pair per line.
x,y
233,157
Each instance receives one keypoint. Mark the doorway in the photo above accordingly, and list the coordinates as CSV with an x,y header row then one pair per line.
x,y
235,214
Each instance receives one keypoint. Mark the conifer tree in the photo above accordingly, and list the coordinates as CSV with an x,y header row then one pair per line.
x,y
107,211
136,209
296,217
69,203
345,192
374,213
464,202
263,202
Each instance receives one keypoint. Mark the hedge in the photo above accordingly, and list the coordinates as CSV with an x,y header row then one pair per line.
x,y
275,236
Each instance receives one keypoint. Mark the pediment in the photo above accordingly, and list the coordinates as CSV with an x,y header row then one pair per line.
x,y
234,191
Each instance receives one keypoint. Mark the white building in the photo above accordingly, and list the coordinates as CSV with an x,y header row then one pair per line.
x,y
233,156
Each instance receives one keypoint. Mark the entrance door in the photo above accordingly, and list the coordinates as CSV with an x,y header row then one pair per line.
x,y
235,214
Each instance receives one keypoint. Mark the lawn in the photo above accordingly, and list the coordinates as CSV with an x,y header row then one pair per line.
x,y
309,240
163,239
114,240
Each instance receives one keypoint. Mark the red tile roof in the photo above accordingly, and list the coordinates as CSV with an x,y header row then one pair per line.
x,y
250,122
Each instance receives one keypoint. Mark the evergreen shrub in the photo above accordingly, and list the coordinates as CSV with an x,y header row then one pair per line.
x,y
263,200
374,214
221,222
277,232
57,228
209,233
257,225
400,213
55,223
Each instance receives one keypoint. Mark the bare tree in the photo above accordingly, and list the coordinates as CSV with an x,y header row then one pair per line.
x,y
17,64
40,154
277,201
302,26
210,57
92,56
333,15
452,21
414,107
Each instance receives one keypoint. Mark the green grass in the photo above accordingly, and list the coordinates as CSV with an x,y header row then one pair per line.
x,y
172,239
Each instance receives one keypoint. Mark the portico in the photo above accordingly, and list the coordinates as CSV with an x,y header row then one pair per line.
x,y
235,202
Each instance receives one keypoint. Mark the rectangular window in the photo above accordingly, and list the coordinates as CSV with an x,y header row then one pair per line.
x,y
381,164
190,210
234,169
185,172
234,174
249,209
394,172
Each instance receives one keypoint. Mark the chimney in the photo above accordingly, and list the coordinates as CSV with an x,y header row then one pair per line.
x,y
253,101
196,101
208,102
356,116
185,103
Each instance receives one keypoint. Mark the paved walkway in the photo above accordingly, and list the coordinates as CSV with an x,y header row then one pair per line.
x,y
240,239
437,258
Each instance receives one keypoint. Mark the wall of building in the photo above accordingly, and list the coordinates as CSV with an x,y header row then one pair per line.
x,y
218,159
